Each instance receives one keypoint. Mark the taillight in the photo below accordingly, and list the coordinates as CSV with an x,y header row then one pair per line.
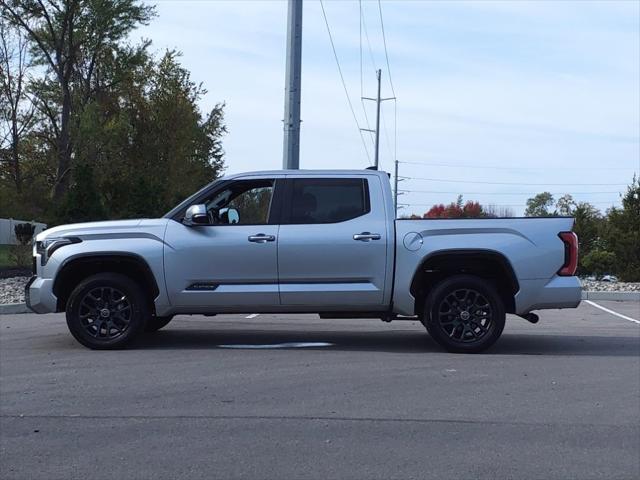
x,y
570,265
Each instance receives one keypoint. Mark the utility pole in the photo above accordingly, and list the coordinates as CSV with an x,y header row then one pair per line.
x,y
375,160
395,188
378,101
291,150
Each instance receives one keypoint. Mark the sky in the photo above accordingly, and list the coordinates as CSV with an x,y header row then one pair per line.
x,y
496,100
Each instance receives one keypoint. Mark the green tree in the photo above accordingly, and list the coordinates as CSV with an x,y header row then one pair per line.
x,y
622,234
589,224
69,37
16,108
117,132
598,262
149,139
82,203
566,205
539,205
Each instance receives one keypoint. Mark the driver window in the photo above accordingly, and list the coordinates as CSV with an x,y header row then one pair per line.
x,y
243,202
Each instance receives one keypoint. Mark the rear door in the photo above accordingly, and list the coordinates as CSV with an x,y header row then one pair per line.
x,y
332,244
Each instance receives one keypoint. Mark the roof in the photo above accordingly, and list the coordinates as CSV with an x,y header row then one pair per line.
x,y
306,173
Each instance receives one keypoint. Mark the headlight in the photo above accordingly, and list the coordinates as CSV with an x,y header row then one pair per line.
x,y
46,247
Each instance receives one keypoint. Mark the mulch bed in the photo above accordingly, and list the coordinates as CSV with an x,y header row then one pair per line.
x,y
9,272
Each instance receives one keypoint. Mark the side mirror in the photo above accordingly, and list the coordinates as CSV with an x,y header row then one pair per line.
x,y
196,215
233,215
229,216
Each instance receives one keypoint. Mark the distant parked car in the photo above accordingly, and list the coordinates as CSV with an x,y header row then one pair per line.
x,y
609,278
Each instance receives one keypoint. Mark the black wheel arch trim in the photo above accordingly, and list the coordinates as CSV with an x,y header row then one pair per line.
x,y
487,254
91,257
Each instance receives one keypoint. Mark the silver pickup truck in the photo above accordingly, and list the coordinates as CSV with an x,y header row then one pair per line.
x,y
298,241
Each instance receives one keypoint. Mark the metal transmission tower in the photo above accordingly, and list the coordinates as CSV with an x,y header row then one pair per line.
x,y
291,151
378,101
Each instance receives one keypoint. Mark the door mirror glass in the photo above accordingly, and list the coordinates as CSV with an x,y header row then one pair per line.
x,y
196,215
229,216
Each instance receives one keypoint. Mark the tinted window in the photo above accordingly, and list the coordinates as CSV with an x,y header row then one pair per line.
x,y
328,200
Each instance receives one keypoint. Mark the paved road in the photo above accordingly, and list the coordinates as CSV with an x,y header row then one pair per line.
x,y
557,400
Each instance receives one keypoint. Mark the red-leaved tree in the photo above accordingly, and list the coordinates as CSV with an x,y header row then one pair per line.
x,y
456,210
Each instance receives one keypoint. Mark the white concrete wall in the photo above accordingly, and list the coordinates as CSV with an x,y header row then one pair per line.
x,y
8,234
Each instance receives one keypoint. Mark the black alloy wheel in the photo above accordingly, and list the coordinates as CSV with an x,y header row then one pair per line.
x,y
464,314
107,311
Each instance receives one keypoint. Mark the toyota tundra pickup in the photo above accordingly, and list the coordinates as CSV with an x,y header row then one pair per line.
x,y
297,241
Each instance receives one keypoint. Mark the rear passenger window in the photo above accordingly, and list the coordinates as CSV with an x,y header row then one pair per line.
x,y
328,200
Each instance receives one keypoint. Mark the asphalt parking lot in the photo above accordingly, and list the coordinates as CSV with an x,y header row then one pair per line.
x,y
556,400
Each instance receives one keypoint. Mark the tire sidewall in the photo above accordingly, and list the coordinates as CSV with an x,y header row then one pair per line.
x,y
139,310
444,288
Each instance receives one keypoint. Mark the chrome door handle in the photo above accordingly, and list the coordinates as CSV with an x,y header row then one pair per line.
x,y
366,236
261,238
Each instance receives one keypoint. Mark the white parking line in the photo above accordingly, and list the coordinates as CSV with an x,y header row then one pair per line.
x,y
594,304
253,315
280,345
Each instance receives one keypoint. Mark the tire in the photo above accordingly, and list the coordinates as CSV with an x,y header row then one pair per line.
x,y
107,311
459,332
156,323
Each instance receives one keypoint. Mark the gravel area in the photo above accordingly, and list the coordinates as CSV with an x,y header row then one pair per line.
x,y
12,289
593,286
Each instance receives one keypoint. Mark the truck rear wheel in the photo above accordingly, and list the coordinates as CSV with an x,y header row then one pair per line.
x,y
464,314
107,311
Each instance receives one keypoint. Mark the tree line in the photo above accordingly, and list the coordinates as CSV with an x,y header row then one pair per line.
x,y
609,242
93,125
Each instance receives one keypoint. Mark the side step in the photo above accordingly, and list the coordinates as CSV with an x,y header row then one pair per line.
x,y
384,316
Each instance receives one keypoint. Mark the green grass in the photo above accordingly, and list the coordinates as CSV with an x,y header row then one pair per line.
x,y
5,260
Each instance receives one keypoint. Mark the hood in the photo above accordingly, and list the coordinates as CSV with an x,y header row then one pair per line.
x,y
97,228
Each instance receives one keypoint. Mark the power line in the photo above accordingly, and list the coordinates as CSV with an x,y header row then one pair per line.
x,y
344,85
361,78
496,204
513,183
496,167
395,100
386,134
363,27
366,35
364,109
508,193
386,55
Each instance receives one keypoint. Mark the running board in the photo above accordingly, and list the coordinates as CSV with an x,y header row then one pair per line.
x,y
384,316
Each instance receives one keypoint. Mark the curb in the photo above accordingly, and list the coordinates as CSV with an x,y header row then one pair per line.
x,y
616,296
11,308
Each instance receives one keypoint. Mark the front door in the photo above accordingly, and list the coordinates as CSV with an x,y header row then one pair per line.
x,y
332,245
231,263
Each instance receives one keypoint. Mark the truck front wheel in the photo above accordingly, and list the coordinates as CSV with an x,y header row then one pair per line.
x,y
464,314
107,311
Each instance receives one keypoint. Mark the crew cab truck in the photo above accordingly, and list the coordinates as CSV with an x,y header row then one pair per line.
x,y
299,241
